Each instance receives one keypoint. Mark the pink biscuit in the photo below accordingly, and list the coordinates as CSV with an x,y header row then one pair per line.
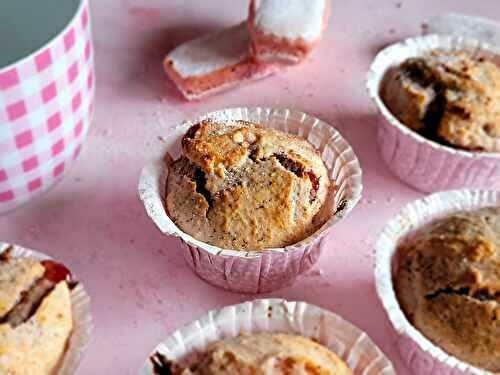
x,y
286,30
214,63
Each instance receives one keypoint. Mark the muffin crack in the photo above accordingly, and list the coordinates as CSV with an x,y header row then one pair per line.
x,y
481,295
299,170
28,304
161,365
200,179
420,73
293,166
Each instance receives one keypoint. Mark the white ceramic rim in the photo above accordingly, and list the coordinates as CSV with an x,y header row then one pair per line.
x,y
456,200
146,191
380,66
80,307
72,20
290,308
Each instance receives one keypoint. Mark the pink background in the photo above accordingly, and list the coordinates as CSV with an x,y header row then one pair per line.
x,y
141,288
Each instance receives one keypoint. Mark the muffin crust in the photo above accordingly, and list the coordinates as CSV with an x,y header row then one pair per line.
x,y
265,354
36,321
242,186
448,285
450,97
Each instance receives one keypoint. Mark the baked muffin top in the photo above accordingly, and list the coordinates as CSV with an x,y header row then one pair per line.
x,y
449,97
448,285
35,315
242,186
261,354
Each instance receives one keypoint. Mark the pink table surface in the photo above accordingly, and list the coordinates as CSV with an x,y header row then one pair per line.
x,y
93,221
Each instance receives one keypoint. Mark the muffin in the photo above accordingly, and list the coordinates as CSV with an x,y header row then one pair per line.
x,y
243,186
35,315
450,97
263,353
448,285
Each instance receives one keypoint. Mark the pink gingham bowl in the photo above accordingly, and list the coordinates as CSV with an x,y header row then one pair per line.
x,y
419,162
46,94
271,269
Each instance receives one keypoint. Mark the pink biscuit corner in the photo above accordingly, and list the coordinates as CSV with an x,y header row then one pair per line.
x,y
286,33
215,63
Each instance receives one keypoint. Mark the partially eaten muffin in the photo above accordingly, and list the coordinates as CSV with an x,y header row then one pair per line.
x,y
264,353
242,186
450,97
448,285
35,315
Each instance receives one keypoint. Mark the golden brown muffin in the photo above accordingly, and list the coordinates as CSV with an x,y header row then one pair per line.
x,y
450,97
261,354
241,186
448,285
35,315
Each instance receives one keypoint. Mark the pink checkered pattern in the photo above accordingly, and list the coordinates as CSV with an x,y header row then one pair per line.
x,y
46,105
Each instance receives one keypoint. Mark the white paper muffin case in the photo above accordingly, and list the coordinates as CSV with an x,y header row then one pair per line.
x,y
421,163
421,356
463,25
275,315
259,271
82,320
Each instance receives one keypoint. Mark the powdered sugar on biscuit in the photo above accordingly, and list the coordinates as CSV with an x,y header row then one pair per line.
x,y
291,19
212,52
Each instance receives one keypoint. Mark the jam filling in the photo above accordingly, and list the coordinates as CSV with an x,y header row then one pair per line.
x,y
32,298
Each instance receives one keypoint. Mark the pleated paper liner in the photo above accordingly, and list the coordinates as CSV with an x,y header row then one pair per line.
x,y
421,163
271,269
82,320
483,29
275,315
421,355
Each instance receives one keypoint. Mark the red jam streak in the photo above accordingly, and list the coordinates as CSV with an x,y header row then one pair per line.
x,y
314,180
56,272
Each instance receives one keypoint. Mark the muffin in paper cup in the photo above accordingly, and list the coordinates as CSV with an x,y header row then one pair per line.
x,y
279,316
422,163
270,269
80,308
420,354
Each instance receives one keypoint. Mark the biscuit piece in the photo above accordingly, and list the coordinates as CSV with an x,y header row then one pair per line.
x,y
242,186
214,63
286,30
449,97
448,285
35,329
266,353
